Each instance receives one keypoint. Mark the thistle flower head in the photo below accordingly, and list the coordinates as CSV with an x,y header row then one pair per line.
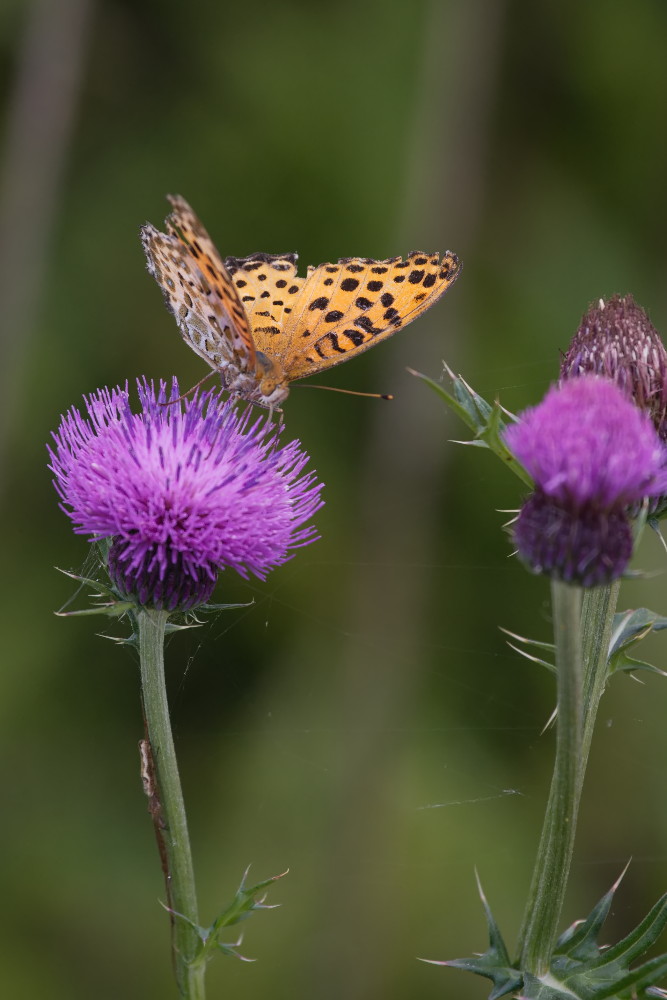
x,y
592,453
183,490
617,339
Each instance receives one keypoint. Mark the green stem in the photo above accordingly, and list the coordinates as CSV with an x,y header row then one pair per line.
x,y
554,855
597,624
582,636
172,821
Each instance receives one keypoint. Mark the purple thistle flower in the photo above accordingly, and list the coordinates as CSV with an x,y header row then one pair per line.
x,y
617,339
592,454
183,490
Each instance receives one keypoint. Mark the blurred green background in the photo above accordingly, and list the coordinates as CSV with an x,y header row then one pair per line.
x,y
363,722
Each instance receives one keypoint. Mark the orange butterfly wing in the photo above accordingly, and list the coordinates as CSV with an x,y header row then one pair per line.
x,y
268,286
261,326
348,307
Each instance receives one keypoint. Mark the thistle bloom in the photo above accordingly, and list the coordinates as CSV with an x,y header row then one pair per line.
x,y
182,490
617,339
592,453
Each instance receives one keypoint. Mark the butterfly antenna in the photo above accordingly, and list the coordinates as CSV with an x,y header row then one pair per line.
x,y
347,392
194,388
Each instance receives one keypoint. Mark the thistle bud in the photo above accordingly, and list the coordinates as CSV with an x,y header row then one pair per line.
x,y
616,339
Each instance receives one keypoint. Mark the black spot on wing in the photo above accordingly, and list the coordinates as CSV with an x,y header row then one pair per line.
x,y
333,341
355,336
366,324
278,261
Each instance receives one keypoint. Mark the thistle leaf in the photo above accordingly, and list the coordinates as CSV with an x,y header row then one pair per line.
x,y
630,627
246,900
484,419
548,646
495,963
581,968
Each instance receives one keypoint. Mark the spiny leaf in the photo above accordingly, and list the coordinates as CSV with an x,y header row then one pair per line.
x,y
549,646
637,941
484,419
581,968
580,940
630,627
633,625
246,899
494,964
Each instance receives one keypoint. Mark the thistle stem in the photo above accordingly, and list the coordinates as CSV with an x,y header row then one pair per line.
x,y
554,855
179,875
597,625
582,637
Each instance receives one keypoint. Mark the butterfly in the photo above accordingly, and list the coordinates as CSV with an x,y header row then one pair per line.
x,y
258,324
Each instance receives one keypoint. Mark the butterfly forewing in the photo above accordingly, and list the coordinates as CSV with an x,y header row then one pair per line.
x,y
347,307
186,265
221,295
187,298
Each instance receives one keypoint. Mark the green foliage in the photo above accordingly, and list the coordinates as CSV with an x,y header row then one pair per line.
x,y
630,627
106,600
495,963
247,900
484,419
581,968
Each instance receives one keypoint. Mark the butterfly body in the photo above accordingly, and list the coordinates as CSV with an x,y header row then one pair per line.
x,y
261,326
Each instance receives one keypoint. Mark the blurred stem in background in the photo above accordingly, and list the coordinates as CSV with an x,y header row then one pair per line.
x,y
40,123
445,142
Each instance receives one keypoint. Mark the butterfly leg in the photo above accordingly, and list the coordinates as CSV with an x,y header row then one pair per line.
x,y
194,388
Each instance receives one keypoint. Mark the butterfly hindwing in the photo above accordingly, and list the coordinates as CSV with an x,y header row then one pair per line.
x,y
347,307
267,285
